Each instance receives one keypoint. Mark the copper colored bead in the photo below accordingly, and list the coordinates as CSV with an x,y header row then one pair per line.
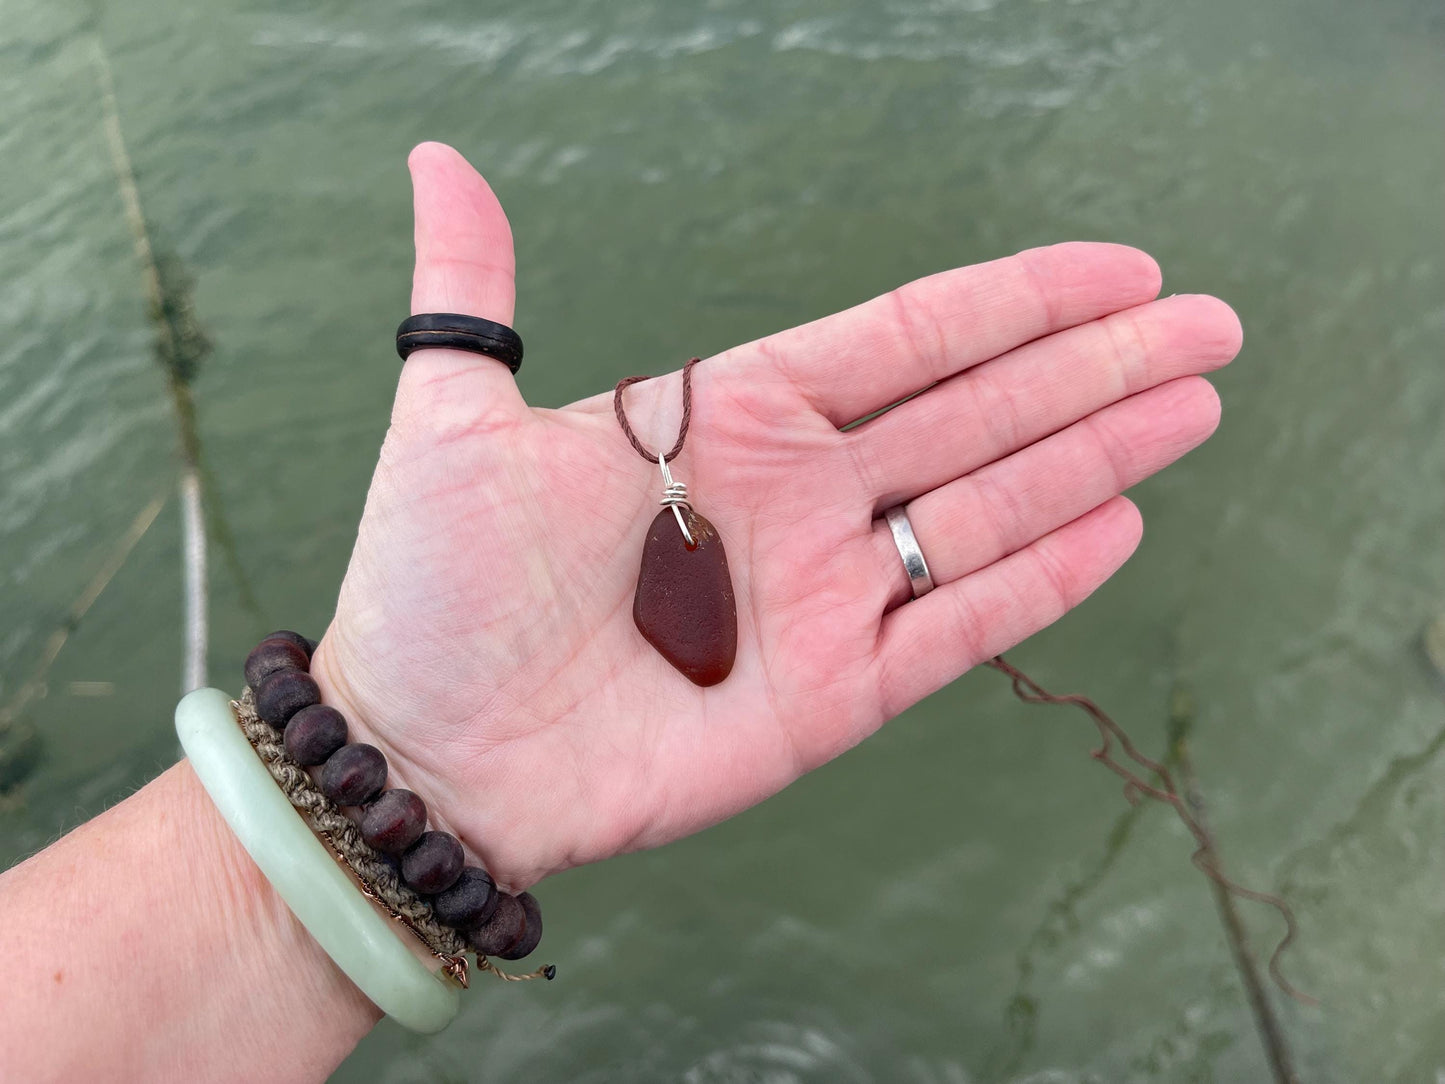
x,y
314,733
283,694
433,863
500,932
531,933
469,902
270,655
354,774
394,821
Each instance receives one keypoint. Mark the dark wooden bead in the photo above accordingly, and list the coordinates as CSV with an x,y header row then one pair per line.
x,y
433,863
503,930
314,733
305,644
273,654
469,902
531,932
684,604
394,821
354,774
283,694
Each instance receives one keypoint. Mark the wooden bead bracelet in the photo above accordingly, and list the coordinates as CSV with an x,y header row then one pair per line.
x,y
421,876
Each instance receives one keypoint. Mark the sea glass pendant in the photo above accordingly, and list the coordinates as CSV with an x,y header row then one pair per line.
x,y
684,605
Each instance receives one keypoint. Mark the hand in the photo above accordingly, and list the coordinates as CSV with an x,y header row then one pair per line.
x,y
484,637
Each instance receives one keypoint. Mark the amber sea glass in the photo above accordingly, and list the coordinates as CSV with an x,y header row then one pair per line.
x,y
684,605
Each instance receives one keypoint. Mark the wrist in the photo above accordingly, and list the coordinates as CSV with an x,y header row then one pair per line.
x,y
338,691
444,797
151,929
266,946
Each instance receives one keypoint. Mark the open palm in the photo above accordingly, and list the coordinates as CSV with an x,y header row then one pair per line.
x,y
484,635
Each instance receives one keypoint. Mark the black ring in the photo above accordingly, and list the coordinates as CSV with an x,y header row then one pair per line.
x,y
454,331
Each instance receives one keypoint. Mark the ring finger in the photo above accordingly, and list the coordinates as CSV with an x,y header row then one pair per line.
x,y
973,521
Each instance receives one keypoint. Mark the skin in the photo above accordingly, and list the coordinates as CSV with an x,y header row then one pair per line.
x,y
483,637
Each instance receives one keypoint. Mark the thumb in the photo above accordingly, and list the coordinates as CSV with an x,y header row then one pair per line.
x,y
464,264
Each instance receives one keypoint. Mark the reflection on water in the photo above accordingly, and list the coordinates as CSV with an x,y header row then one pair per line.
x,y
965,898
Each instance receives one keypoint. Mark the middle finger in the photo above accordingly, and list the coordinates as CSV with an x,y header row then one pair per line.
x,y
1037,389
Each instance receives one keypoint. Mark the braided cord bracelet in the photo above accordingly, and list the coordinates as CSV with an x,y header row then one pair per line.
x,y
379,878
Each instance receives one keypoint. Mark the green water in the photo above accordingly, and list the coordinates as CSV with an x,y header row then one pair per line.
x,y
965,897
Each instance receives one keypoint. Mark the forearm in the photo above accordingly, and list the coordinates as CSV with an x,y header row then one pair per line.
x,y
146,945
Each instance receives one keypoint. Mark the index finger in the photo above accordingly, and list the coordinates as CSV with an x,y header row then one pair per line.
x,y
868,357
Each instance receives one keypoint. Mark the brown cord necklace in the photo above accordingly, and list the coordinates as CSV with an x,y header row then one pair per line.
x,y
684,605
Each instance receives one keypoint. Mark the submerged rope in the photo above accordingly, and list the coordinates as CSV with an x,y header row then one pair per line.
x,y
1136,783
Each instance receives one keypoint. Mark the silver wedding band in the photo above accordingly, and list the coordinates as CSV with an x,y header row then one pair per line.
x,y
908,549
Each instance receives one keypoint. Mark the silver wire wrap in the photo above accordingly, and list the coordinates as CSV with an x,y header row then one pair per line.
x,y
674,496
